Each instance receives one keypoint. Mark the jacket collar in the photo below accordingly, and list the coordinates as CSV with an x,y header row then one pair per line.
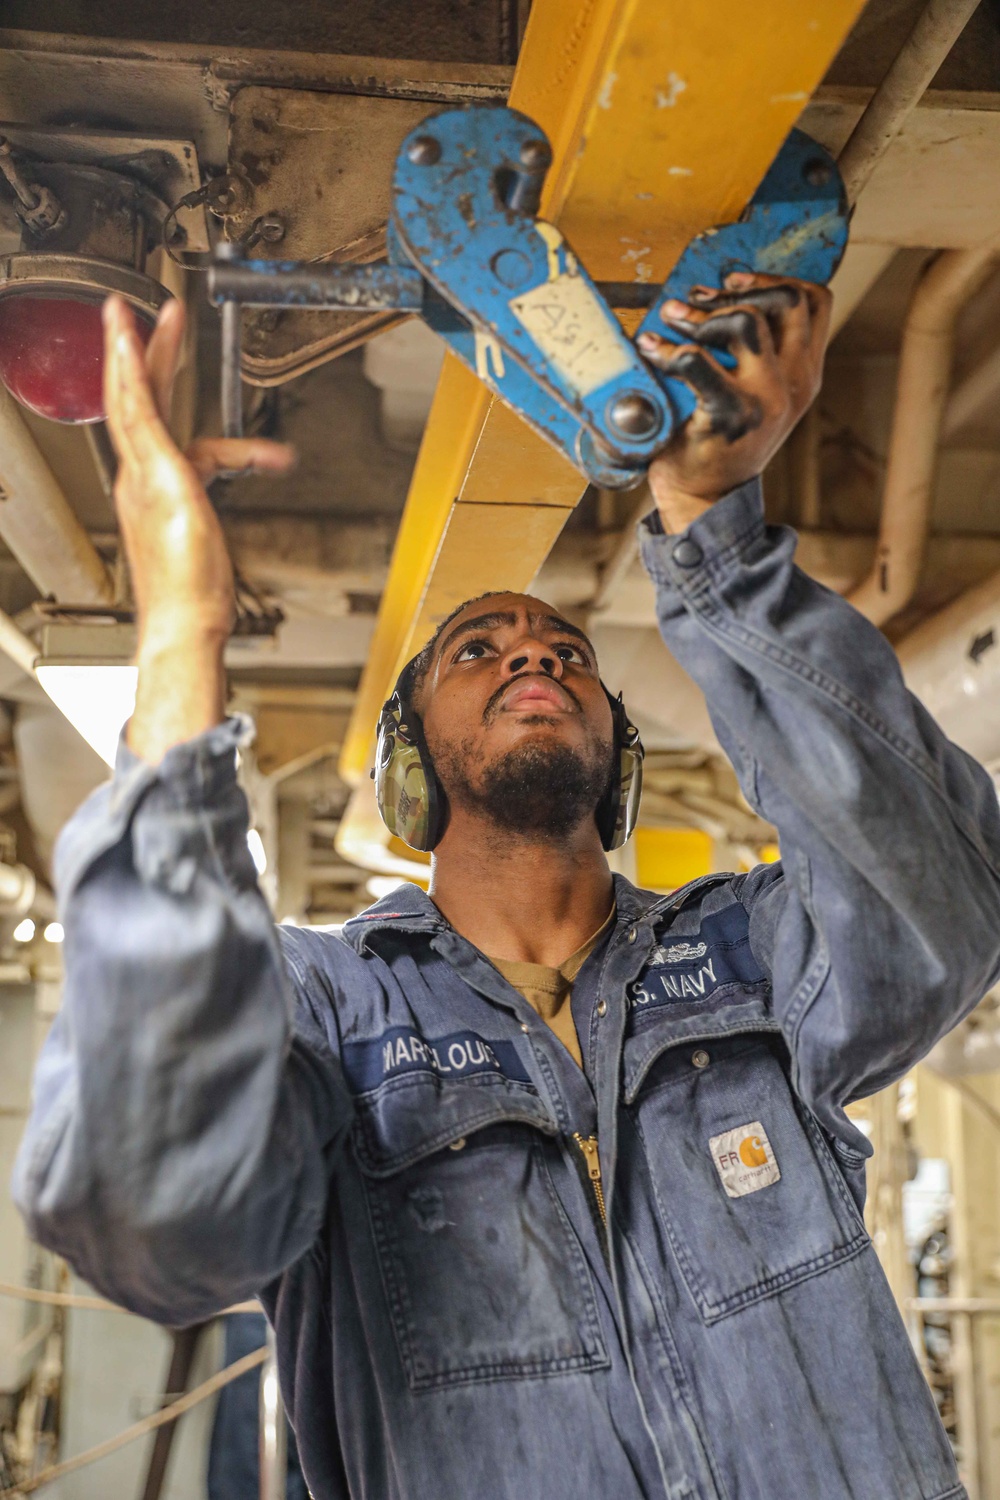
x,y
408,909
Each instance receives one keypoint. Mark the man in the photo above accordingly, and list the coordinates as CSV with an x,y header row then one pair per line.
x,y
545,1181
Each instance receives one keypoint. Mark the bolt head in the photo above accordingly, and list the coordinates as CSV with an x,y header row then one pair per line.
x,y
634,415
424,150
272,228
511,267
228,195
816,172
536,154
47,213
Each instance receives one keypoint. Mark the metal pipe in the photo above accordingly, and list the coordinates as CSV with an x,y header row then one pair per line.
x,y
37,522
18,888
232,376
273,1428
27,197
921,392
19,647
20,893
937,29
279,283
104,456
185,1347
969,1306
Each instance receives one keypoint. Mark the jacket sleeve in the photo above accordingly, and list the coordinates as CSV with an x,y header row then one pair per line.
x,y
881,926
182,1126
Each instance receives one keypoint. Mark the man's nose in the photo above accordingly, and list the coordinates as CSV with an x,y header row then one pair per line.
x,y
531,656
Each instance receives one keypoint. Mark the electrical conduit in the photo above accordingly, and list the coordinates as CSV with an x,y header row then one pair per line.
x,y
37,522
921,392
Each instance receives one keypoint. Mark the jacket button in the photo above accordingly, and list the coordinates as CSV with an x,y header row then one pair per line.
x,y
687,553
457,1145
602,1007
633,933
700,1059
525,1027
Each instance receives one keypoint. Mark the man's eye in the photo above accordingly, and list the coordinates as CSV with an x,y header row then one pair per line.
x,y
571,653
471,651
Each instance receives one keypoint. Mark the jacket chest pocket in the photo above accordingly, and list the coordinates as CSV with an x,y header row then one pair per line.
x,y
483,1273
746,1187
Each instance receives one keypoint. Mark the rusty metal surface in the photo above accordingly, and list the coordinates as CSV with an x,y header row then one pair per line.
x,y
340,73
322,165
166,166
322,162
344,468
142,86
459,30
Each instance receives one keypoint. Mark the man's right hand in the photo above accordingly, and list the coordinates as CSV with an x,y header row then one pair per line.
x,y
182,578
777,329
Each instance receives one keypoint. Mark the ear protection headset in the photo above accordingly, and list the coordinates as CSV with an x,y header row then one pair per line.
x,y
411,800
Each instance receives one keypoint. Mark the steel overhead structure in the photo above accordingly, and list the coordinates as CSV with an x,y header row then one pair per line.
x,y
663,119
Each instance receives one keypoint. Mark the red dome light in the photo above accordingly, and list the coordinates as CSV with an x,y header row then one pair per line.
x,y
52,355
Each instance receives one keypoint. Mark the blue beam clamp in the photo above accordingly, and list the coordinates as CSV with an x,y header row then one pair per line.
x,y
507,294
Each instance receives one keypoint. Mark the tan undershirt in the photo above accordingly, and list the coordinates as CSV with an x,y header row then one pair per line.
x,y
549,991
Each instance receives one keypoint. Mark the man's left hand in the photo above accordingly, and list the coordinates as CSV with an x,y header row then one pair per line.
x,y
777,330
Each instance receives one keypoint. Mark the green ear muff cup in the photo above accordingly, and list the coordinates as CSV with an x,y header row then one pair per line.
x,y
406,788
618,811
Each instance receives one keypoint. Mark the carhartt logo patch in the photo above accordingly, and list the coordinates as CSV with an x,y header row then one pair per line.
x,y
744,1159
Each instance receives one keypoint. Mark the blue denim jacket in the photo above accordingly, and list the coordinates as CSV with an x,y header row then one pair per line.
x,y
378,1133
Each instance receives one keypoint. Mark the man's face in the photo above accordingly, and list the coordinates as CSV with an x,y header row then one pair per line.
x,y
515,717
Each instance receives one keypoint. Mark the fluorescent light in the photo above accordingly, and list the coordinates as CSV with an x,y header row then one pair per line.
x,y
96,697
256,846
53,932
24,931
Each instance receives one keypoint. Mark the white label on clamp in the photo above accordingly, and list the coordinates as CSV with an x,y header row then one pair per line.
x,y
744,1159
569,323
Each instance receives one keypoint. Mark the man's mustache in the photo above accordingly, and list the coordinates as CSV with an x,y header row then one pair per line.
x,y
493,703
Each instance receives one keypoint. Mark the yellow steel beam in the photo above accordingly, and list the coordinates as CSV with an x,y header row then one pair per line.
x,y
663,116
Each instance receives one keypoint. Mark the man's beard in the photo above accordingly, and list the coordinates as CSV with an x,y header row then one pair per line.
x,y
537,790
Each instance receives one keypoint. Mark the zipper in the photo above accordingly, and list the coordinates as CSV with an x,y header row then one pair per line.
x,y
588,1145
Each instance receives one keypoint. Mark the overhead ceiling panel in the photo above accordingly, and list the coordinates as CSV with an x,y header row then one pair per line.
x,y
937,184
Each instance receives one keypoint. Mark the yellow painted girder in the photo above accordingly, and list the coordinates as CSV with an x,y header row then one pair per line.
x,y
672,119
663,117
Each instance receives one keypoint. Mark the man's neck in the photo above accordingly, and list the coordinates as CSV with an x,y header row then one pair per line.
x,y
525,900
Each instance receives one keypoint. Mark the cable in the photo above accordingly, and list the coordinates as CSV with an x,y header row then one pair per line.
x,y
173,233
148,1424
96,1304
214,193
